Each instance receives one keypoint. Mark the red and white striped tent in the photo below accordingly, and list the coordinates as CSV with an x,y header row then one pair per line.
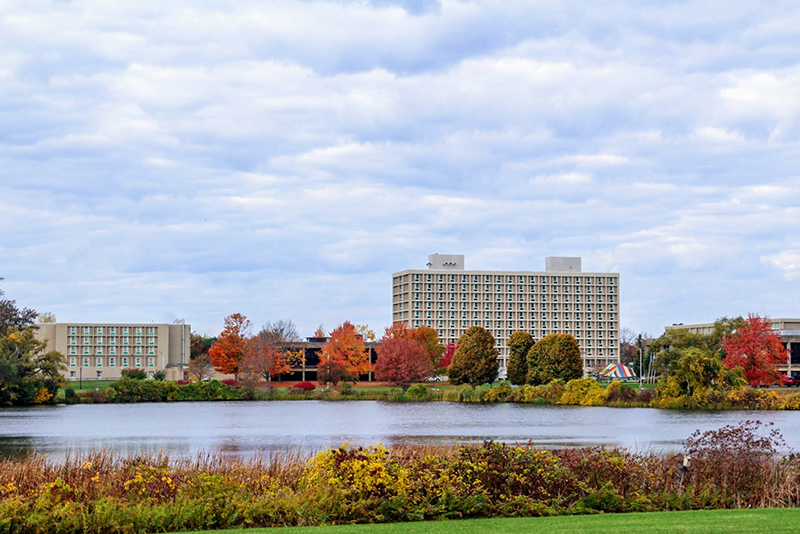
x,y
617,370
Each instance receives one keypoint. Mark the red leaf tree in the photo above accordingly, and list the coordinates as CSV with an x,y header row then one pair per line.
x,y
401,360
757,349
447,355
345,350
227,352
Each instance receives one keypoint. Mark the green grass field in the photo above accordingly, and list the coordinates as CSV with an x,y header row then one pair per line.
x,y
770,521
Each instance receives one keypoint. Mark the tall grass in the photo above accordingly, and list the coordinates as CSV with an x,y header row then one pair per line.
x,y
742,466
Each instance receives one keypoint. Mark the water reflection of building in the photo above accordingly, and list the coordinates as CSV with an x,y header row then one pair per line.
x,y
102,350
560,299
787,329
311,347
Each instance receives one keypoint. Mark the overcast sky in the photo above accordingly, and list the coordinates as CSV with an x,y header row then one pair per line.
x,y
281,159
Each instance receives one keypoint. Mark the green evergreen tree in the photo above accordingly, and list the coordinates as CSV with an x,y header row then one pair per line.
x,y
519,345
475,360
555,356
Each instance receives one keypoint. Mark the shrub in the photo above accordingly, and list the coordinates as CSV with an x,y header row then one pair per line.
x,y
230,382
583,391
417,392
547,394
134,374
754,399
305,386
347,388
736,459
70,397
160,375
497,394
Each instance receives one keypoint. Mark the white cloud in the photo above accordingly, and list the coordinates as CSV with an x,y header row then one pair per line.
x,y
283,159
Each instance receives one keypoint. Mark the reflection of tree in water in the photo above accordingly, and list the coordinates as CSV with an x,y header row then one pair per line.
x,y
17,447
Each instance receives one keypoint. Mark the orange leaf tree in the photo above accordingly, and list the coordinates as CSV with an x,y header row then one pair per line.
x,y
345,349
401,359
757,349
227,352
264,360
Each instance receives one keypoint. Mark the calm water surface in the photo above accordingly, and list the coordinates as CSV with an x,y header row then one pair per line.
x,y
249,428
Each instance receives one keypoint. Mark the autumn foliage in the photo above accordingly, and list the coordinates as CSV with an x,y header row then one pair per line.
x,y
344,354
402,360
231,346
447,355
757,349
264,360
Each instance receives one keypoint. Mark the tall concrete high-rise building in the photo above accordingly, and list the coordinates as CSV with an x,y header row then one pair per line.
x,y
561,299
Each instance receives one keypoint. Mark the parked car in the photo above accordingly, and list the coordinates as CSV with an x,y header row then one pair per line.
x,y
791,381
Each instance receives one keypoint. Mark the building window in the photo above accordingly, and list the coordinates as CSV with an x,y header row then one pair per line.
x,y
112,330
151,362
138,362
125,350
112,350
86,350
86,331
99,330
138,350
138,330
73,330
99,350
72,374
124,362
73,350
73,362
86,362
99,340
112,362
99,362
125,330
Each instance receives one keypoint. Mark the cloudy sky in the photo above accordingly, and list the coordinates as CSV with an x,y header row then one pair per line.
x,y
281,159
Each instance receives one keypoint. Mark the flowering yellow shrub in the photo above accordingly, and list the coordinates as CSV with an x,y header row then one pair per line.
x,y
584,392
357,471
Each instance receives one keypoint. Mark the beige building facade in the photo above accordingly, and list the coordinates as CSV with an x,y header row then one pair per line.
x,y
787,329
102,350
561,299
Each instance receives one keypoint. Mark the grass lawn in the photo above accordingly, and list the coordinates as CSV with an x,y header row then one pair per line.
x,y
773,521
86,385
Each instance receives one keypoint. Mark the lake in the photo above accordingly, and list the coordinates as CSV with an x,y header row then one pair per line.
x,y
245,429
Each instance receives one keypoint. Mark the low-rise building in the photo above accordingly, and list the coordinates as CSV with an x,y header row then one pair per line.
x,y
102,350
787,329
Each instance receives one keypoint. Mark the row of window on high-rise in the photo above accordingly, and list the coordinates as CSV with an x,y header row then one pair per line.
x,y
508,279
111,350
112,330
112,362
498,288
109,340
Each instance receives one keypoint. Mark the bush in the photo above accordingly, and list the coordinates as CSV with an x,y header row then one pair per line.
x,y
497,394
230,382
134,374
736,459
417,392
305,386
160,375
548,394
70,397
347,388
584,392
